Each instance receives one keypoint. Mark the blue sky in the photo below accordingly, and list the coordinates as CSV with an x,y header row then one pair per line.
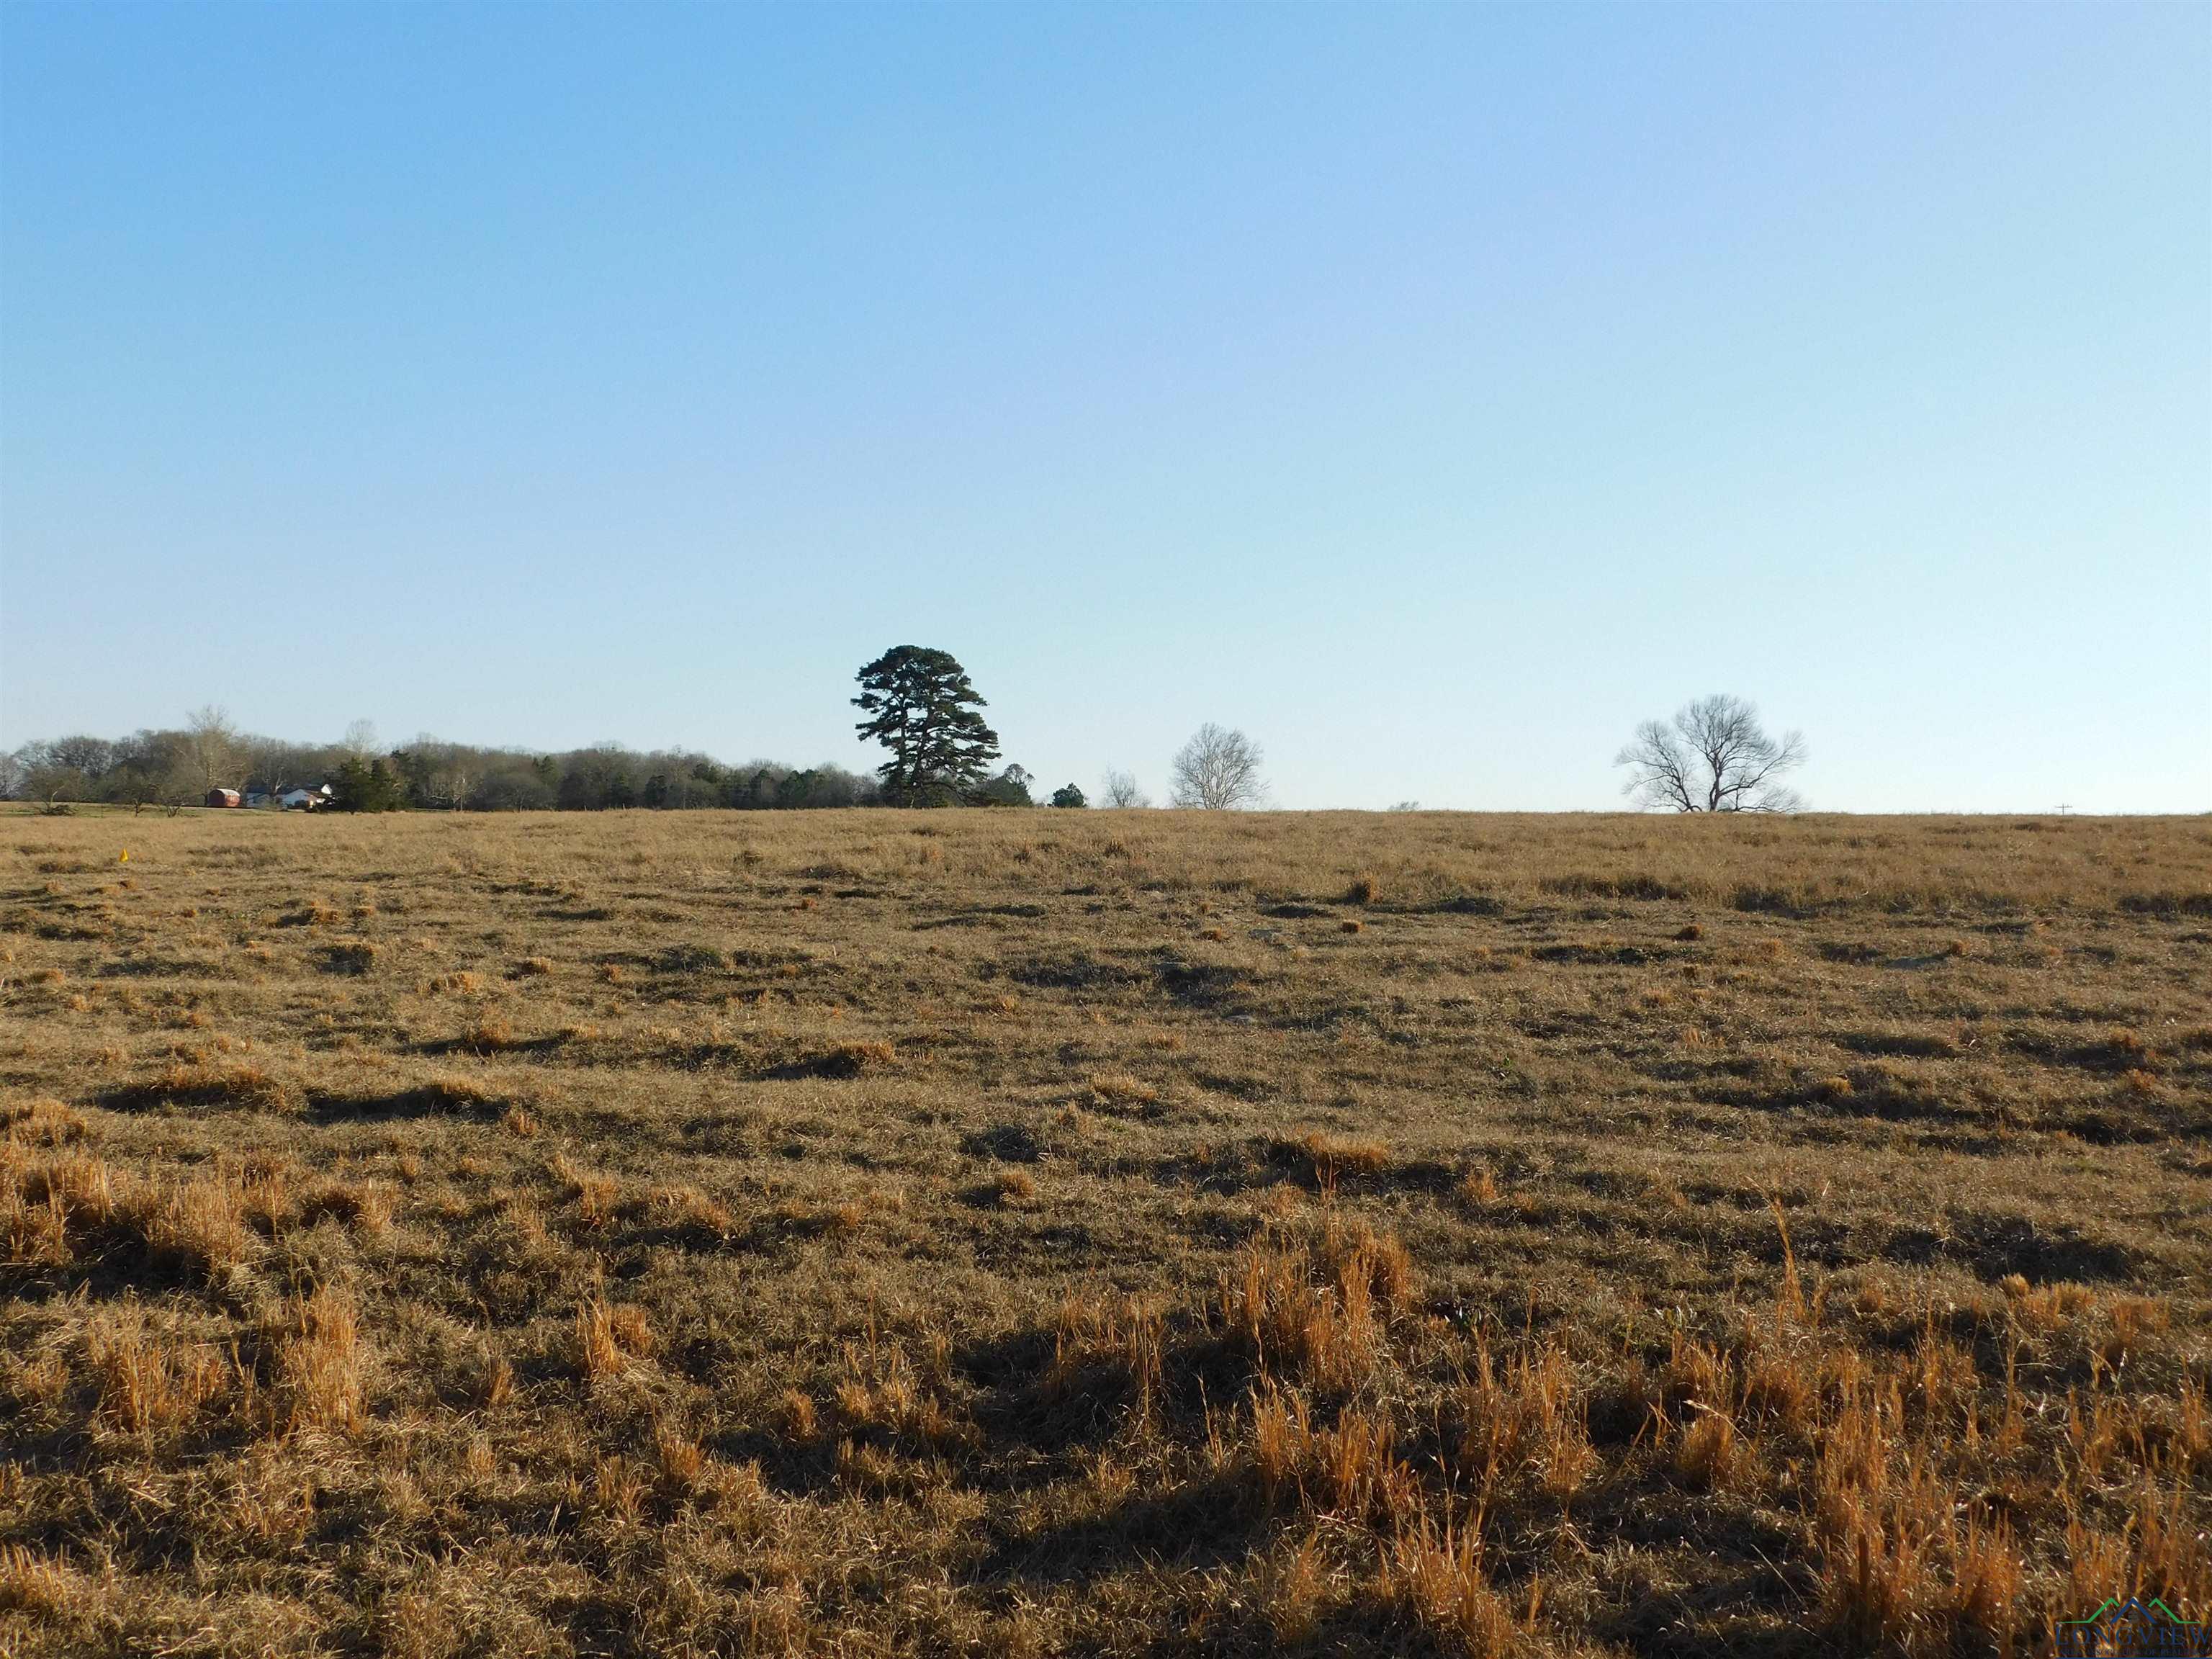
x,y
1432,392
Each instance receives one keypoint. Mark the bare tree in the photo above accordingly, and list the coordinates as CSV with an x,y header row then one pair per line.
x,y
63,768
156,768
39,776
451,783
277,765
91,755
1217,769
212,742
1714,756
361,741
1118,788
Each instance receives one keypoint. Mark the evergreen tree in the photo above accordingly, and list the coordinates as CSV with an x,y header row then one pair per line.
x,y
1068,795
368,786
923,709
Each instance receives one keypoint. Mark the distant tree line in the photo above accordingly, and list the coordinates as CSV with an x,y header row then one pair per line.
x,y
922,710
178,767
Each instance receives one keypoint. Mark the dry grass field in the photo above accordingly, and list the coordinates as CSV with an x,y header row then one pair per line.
x,y
1042,1232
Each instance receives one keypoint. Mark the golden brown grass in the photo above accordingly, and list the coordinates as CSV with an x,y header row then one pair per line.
x,y
1122,1233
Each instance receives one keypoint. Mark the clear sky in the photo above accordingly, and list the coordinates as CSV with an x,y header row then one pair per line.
x,y
1432,392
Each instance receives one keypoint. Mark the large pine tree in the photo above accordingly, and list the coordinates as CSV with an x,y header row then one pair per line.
x,y
923,709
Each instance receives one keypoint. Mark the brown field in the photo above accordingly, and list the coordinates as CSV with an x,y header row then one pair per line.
x,y
1127,1233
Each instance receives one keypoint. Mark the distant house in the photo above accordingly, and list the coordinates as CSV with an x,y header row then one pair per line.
x,y
221,797
305,801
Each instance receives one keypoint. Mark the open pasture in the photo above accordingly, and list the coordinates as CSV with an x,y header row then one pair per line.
x,y
1032,1232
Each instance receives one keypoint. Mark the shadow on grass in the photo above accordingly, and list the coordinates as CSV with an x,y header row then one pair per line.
x,y
1994,1246
1198,1526
436,1099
